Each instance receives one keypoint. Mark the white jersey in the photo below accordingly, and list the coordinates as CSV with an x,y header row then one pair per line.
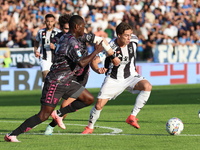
x,y
123,76
44,38
127,55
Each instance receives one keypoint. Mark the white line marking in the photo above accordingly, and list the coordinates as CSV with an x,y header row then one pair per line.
x,y
115,130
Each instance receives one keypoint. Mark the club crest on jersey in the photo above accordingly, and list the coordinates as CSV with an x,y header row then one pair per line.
x,y
79,53
88,37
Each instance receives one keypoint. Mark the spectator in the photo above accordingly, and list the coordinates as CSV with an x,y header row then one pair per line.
x,y
100,33
148,51
140,48
7,61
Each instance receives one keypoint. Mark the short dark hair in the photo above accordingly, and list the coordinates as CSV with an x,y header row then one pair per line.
x,y
122,27
49,16
63,19
74,20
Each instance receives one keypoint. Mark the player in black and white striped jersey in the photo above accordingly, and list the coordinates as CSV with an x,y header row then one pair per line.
x,y
120,78
42,48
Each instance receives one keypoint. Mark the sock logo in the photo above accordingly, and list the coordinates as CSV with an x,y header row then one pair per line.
x,y
27,129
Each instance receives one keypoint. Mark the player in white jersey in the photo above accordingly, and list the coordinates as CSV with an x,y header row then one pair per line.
x,y
120,78
42,48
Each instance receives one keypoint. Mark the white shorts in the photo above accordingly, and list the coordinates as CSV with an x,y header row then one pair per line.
x,y
111,88
45,64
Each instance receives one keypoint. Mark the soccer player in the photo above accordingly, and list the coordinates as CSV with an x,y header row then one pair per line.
x,y
120,78
81,78
42,48
69,58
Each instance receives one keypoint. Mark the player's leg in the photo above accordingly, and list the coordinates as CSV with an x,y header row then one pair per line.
x,y
29,123
45,67
50,95
110,90
44,74
84,99
94,115
51,126
144,88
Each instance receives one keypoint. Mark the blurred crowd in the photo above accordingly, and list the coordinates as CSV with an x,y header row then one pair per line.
x,y
175,22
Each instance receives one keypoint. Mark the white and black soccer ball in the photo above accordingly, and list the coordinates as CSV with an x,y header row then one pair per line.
x,y
174,126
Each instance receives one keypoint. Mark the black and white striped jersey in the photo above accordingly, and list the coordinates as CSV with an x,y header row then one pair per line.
x,y
127,55
44,38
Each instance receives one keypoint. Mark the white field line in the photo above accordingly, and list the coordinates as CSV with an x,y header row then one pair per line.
x,y
115,131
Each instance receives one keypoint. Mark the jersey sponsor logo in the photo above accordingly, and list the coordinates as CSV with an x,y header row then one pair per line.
x,y
79,53
119,56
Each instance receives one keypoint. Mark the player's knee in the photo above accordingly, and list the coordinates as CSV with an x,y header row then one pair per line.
x,y
147,86
90,100
44,116
98,107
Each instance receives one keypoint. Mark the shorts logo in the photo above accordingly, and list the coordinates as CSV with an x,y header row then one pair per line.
x,y
55,101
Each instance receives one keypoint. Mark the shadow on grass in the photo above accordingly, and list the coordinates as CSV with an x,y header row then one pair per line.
x,y
157,97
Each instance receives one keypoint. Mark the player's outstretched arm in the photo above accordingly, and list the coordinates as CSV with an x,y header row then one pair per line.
x,y
108,49
86,60
95,67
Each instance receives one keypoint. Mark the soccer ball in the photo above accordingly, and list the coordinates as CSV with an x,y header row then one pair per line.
x,y
174,126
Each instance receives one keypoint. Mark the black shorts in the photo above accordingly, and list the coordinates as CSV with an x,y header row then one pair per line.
x,y
52,92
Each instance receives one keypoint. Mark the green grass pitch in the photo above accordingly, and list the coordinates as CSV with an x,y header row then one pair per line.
x,y
111,131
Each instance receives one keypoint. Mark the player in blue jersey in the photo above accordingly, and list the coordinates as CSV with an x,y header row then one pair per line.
x,y
120,78
68,61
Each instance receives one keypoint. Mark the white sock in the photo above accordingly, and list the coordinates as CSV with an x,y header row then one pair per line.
x,y
141,100
94,115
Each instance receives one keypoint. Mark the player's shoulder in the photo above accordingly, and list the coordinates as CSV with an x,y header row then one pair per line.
x,y
88,37
57,30
113,44
134,38
41,30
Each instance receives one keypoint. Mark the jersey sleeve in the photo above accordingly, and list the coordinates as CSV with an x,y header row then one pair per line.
x,y
75,51
102,55
89,38
37,38
134,39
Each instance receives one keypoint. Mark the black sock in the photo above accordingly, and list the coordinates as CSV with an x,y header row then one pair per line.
x,y
75,105
53,123
27,125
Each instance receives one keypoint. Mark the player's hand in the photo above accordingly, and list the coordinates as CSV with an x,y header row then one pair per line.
x,y
116,61
102,70
37,54
52,46
98,47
